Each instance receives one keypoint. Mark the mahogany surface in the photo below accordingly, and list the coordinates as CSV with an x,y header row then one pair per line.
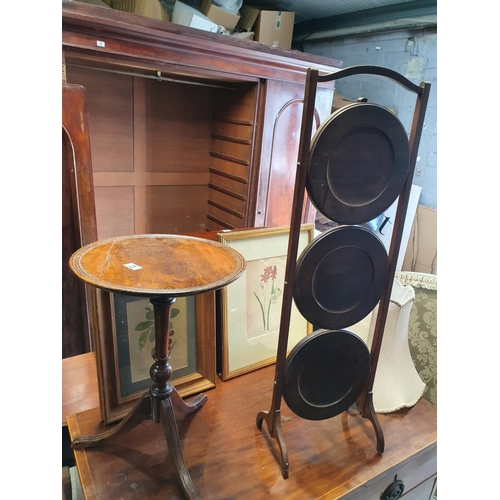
x,y
170,265
78,219
79,384
229,458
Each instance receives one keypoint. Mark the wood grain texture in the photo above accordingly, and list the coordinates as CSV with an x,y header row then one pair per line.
x,y
79,385
280,145
110,108
230,459
153,264
183,49
78,220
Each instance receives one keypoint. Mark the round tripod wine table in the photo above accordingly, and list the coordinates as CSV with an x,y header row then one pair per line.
x,y
161,267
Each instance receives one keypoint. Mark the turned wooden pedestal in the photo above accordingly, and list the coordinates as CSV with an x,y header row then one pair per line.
x,y
161,267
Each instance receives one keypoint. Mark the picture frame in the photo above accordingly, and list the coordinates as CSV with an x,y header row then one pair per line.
x,y
122,363
251,306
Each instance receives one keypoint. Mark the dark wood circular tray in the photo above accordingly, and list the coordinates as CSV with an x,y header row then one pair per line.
x,y
359,163
340,277
325,373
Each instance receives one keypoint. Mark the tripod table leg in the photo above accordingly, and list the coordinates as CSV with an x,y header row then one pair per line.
x,y
167,419
140,412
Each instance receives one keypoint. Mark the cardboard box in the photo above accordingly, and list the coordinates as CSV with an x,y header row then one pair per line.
x,y
99,3
339,101
421,252
248,16
272,27
147,8
219,16
188,16
243,35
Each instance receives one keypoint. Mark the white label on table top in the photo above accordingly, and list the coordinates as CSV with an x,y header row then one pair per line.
x,y
132,266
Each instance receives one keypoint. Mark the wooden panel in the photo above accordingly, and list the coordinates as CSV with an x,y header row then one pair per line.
x,y
178,126
236,187
231,146
235,170
115,211
213,225
110,108
78,220
284,149
176,209
284,103
218,215
73,321
232,204
231,157
79,390
329,459
242,129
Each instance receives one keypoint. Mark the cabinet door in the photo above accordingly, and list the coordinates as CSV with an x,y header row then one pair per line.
x,y
78,220
280,145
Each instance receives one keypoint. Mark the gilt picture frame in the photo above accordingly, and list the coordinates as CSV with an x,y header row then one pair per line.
x,y
251,306
124,343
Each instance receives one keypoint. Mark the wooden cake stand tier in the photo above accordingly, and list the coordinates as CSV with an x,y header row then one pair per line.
x,y
161,267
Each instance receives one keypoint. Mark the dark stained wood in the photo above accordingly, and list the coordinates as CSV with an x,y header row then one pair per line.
x,y
359,163
273,416
189,51
365,400
78,219
280,145
230,459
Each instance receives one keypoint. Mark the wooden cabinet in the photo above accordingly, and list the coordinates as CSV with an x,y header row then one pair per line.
x,y
189,130
78,220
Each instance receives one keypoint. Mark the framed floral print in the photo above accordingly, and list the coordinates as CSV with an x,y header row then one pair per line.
x,y
251,307
124,343
135,336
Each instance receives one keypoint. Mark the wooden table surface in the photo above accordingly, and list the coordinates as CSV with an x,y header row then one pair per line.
x,y
157,264
79,384
230,459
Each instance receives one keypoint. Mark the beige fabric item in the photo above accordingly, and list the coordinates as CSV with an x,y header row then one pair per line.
x,y
422,331
397,383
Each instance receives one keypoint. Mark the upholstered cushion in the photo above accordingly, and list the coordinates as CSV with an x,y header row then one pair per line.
x,y
422,331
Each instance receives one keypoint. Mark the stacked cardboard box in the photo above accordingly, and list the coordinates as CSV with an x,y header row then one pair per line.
x,y
272,27
147,8
189,16
220,16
